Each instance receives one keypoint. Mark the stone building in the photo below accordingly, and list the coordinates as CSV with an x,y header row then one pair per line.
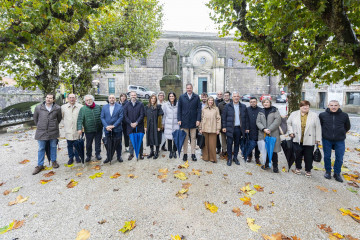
x,y
208,62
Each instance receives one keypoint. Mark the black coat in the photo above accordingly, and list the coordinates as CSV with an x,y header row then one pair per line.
x,y
217,101
153,136
334,125
134,114
228,119
124,125
252,115
189,110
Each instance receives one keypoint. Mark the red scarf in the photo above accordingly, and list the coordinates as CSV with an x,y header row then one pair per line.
x,y
91,106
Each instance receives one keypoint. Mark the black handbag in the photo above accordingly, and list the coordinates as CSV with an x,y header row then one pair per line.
x,y
317,154
200,139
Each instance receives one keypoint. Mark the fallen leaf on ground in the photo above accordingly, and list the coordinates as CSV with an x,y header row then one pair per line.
x,y
46,168
2,183
247,190
354,216
49,174
95,163
6,228
211,207
96,175
353,184
259,188
79,174
246,200
87,207
6,192
163,170
16,189
116,175
335,236
163,155
24,161
318,169
102,221
237,211
97,167
249,173
83,235
279,236
18,224
327,229
209,172
283,169
186,185
182,193
180,176
177,237
19,199
195,172
69,165
45,181
162,176
322,189
257,207
252,225
185,165
132,176
128,226
71,184
352,190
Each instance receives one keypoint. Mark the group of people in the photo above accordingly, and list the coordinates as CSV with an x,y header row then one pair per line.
x,y
223,123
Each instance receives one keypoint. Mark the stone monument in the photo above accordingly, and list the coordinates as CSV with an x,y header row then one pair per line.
x,y
171,80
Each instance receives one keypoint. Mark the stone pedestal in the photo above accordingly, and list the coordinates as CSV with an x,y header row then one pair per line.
x,y
171,83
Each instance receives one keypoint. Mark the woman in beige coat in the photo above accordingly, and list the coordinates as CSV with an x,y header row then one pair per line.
x,y
210,127
305,129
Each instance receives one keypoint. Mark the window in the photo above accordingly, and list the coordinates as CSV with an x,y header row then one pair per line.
x,y
353,98
111,85
143,61
303,96
142,89
230,62
202,61
133,88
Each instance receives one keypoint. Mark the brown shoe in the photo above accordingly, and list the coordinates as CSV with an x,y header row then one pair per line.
x,y
257,160
37,170
55,164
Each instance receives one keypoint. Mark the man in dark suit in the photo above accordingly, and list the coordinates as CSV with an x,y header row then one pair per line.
x,y
111,118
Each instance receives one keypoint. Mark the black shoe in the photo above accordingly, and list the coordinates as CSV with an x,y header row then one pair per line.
x,y
174,155
156,155
327,175
150,155
78,160
87,159
236,161
257,160
141,157
193,157
120,159
163,148
171,155
275,170
338,177
106,161
218,151
98,157
264,167
131,156
185,157
229,162
249,159
71,161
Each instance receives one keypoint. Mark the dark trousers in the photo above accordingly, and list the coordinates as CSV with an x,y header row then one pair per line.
x,y
126,139
118,149
218,144
307,153
171,146
274,160
152,148
235,139
90,136
72,151
131,148
257,152
339,147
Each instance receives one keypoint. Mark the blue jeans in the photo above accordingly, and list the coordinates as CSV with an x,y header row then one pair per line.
x,y
339,147
72,151
41,151
236,140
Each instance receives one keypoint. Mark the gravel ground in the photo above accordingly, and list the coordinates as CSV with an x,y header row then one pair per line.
x,y
291,204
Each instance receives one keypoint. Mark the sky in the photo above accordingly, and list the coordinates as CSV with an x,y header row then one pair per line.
x,y
187,15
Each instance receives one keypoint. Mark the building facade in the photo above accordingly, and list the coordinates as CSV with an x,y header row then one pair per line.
x,y
210,63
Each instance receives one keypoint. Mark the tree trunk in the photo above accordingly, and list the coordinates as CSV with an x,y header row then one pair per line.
x,y
295,90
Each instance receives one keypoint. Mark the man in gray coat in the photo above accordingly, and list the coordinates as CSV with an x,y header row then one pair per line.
x,y
47,117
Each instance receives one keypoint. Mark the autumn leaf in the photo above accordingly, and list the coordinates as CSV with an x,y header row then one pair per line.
x,y
16,189
354,216
79,174
97,167
353,184
19,199
132,176
322,189
71,184
46,168
246,200
182,193
186,185
162,176
209,172
176,237
327,229
116,175
283,169
24,161
195,172
180,176
279,236
87,207
247,190
18,224
96,175
237,211
163,170
6,192
6,228
45,181
69,165
257,207
49,174
83,235
352,190
185,165
335,236
211,207
249,173
128,226
2,183
102,221
252,225
259,188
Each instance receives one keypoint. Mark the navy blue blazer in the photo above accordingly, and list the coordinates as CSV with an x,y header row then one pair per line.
x,y
189,110
115,119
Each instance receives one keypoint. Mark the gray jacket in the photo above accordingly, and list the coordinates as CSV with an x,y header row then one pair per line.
x,y
272,123
169,120
47,123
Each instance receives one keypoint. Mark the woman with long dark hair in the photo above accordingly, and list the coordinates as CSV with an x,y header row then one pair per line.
x,y
123,101
170,122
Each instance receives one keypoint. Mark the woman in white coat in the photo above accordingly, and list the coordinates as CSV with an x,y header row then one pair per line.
x,y
305,129
170,122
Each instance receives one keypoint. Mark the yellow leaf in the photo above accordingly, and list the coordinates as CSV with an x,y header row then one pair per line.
x,y
283,169
259,188
163,170
257,207
79,174
183,190
96,175
16,189
339,236
246,200
116,175
128,226
247,190
182,193
176,237
180,176
132,176
185,165
354,216
19,199
252,225
67,165
24,161
45,181
71,184
196,172
249,173
83,235
211,207
48,168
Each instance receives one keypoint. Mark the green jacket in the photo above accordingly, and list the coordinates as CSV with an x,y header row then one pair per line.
x,y
90,119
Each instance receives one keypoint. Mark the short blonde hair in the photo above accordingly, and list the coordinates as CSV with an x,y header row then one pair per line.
x,y
207,101
264,100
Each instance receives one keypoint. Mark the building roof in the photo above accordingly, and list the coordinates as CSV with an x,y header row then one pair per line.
x,y
193,35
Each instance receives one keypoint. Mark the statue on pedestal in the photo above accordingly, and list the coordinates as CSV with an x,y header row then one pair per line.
x,y
171,61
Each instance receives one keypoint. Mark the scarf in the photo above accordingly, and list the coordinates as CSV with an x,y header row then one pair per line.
x,y
91,106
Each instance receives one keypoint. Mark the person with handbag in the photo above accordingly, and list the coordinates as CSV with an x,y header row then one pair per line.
x,y
169,122
268,123
305,129
210,127
235,124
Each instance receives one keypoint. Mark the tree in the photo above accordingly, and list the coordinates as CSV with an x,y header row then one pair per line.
x,y
81,35
281,37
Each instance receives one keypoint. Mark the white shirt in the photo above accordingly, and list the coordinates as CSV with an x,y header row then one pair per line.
x,y
189,95
111,108
48,108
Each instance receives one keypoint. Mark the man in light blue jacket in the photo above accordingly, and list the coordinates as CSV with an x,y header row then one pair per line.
x,y
111,118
